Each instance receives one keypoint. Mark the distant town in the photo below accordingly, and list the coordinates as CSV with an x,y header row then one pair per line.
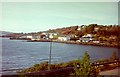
x,y
92,34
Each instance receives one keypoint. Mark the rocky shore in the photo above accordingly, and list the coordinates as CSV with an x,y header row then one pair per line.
x,y
92,44
78,43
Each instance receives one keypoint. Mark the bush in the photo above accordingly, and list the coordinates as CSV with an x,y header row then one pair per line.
x,y
83,67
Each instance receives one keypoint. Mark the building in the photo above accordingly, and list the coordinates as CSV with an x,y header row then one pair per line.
x,y
50,35
96,41
36,37
63,38
86,38
29,36
53,35
81,27
26,36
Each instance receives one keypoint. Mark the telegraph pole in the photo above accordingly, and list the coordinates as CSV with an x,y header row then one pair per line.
x,y
50,55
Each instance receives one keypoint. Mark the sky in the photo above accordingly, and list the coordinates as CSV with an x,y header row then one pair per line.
x,y
40,16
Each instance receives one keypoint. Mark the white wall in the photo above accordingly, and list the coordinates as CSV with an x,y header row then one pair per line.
x,y
63,38
29,37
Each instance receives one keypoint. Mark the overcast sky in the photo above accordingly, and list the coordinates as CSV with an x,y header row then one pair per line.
x,y
38,16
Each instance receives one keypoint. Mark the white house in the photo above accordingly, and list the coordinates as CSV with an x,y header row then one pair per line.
x,y
81,27
86,38
96,41
29,36
63,38
50,35
26,36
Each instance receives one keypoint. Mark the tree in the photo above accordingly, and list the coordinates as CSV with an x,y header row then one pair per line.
x,y
84,67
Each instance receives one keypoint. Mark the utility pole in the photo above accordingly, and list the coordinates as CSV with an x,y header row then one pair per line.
x,y
50,55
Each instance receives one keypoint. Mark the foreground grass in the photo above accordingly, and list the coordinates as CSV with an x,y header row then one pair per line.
x,y
44,66
81,67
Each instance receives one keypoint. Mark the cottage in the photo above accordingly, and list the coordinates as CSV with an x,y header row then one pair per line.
x,y
50,35
63,38
26,37
81,27
29,36
96,41
86,38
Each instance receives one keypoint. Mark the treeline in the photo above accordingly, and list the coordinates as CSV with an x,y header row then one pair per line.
x,y
103,30
99,30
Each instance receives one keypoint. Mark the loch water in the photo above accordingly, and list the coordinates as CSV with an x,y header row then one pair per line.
x,y
20,54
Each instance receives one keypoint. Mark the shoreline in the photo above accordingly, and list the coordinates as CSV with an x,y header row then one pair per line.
x,y
73,42
67,42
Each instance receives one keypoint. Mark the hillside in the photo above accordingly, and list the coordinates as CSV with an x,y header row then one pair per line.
x,y
5,33
65,30
100,30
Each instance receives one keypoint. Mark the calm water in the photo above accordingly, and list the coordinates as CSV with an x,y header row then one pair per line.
x,y
19,54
